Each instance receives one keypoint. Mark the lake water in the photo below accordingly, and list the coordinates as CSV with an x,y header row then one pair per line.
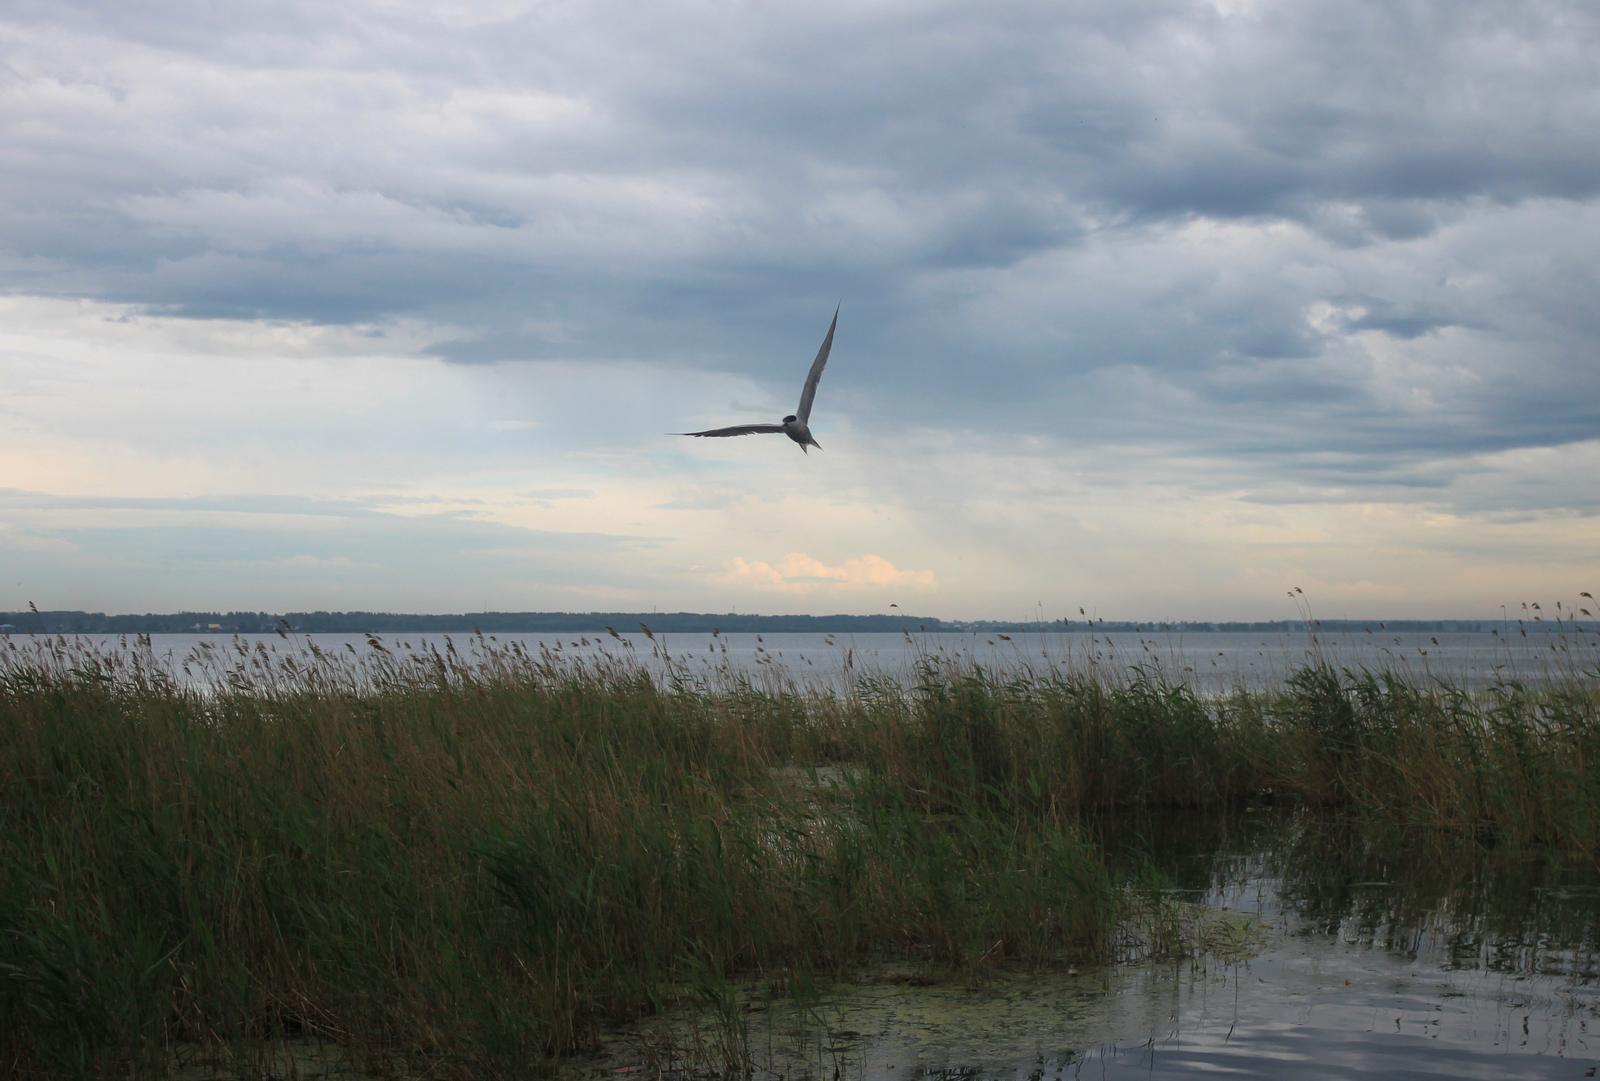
x,y
1385,957
1210,662
1348,957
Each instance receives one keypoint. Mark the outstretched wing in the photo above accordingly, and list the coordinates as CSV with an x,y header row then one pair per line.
x,y
809,391
741,429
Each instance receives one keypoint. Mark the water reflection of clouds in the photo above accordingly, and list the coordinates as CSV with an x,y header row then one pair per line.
x,y
1394,954
1387,957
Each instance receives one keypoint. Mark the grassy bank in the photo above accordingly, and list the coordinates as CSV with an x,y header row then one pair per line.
x,y
466,864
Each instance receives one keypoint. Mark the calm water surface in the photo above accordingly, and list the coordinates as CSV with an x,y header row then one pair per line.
x,y
1210,662
1388,957
1358,959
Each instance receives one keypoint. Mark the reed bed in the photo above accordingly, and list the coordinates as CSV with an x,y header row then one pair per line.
x,y
456,865
1513,763
466,862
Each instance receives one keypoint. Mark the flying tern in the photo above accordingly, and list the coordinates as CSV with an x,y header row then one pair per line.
x,y
794,425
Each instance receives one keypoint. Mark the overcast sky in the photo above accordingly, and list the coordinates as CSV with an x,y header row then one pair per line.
x,y
1153,307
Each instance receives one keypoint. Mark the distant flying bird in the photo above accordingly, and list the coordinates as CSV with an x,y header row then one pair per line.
x,y
794,425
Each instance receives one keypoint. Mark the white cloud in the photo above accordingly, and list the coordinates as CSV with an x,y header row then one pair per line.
x,y
799,574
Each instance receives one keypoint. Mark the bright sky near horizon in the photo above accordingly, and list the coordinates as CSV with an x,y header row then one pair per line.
x,y
1157,307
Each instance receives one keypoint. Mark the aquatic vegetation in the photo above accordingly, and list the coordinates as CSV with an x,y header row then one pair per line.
x,y
444,863
471,859
1515,763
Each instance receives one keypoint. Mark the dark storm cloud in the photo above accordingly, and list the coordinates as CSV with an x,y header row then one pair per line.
x,y
1255,228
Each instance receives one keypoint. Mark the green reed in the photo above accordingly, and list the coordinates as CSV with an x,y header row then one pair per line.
x,y
457,863
465,862
1512,763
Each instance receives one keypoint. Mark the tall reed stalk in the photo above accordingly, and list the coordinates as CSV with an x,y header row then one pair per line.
x,y
445,864
467,861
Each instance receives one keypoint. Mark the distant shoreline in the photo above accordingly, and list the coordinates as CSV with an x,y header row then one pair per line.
x,y
74,622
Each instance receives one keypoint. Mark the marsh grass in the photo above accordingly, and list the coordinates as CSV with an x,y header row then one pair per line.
x,y
1515,763
468,862
453,866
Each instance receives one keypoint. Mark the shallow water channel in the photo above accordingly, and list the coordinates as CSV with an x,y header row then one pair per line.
x,y
1327,954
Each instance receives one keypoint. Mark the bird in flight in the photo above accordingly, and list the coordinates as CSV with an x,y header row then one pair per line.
x,y
795,425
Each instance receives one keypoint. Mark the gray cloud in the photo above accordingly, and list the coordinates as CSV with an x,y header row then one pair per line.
x,y
1329,240
130,550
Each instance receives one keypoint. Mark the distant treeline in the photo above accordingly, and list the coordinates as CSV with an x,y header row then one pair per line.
x,y
487,622
693,622
1278,626
1274,626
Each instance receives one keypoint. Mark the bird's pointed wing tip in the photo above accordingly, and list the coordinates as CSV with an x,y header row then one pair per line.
x,y
738,429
